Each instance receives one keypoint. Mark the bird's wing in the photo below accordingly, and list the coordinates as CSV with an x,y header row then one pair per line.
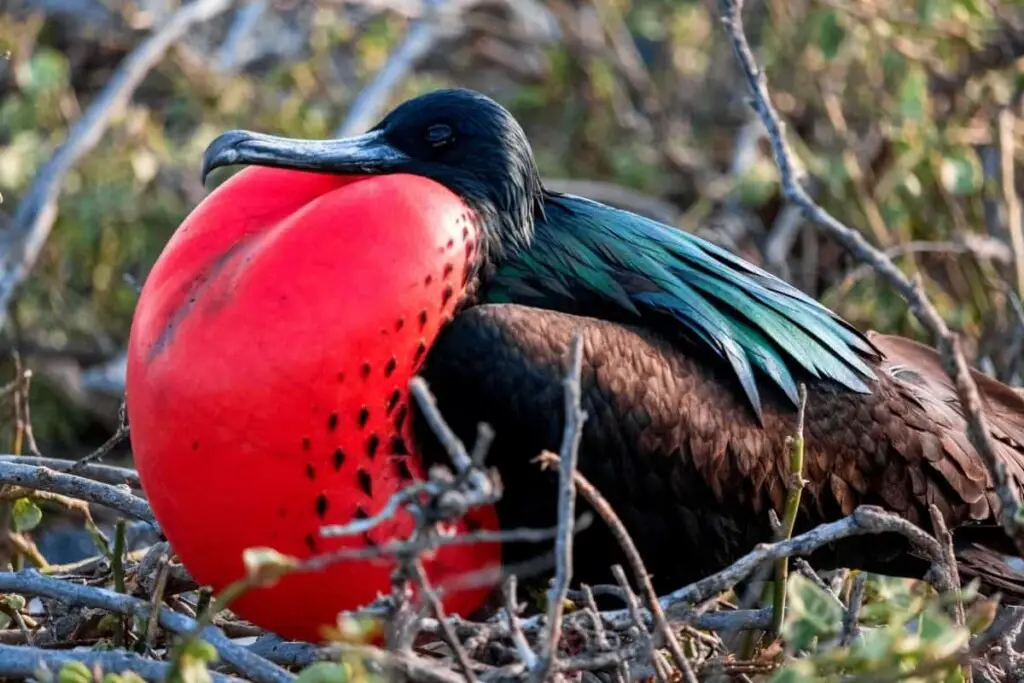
x,y
678,454
591,259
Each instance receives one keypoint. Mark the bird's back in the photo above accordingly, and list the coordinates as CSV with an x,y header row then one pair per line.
x,y
672,444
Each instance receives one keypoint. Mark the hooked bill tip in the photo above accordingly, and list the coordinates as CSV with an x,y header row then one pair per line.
x,y
222,152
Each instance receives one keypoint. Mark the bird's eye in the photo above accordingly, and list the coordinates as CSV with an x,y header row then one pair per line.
x,y
439,134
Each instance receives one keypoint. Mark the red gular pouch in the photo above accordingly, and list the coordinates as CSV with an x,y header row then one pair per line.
x,y
268,371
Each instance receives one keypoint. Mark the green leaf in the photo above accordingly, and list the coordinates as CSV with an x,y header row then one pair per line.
x,y
46,72
798,671
829,33
940,634
13,603
192,664
913,94
27,515
324,672
961,174
812,614
74,672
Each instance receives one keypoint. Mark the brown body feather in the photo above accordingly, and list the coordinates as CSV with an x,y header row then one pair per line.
x,y
671,443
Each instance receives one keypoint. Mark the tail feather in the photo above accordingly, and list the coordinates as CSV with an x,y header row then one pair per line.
x,y
919,369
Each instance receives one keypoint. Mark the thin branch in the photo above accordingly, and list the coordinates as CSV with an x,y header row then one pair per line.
x,y
22,242
30,582
947,343
24,662
45,479
573,433
120,435
108,474
430,597
1006,122
636,566
440,20
865,520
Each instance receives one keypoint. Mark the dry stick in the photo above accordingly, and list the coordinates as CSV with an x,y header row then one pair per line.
x,y
947,343
430,597
30,582
526,654
108,474
24,662
951,572
440,20
573,432
45,479
866,519
636,566
156,600
22,242
110,444
851,620
633,605
1010,198
794,488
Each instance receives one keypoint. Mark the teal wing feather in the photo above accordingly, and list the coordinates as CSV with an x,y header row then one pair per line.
x,y
587,258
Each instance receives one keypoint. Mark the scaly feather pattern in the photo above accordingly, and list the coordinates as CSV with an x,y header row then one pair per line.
x,y
587,258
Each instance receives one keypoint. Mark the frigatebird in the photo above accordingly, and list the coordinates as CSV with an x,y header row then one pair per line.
x,y
276,335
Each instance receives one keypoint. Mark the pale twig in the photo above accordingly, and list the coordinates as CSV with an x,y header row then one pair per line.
x,y
120,435
22,242
30,582
948,343
572,434
949,568
865,520
636,566
45,479
851,619
637,617
1010,199
515,628
108,474
19,661
440,19
419,576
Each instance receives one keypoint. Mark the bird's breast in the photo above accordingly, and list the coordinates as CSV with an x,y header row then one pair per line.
x,y
268,369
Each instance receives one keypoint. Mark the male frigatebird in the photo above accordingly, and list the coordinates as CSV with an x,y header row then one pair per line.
x,y
275,337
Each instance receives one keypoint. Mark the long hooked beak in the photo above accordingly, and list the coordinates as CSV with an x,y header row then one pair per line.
x,y
369,153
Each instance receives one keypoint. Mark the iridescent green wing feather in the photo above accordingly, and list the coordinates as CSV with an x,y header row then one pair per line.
x,y
586,257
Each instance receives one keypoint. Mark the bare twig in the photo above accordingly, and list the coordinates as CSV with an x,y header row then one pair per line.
x,y
24,662
636,565
107,446
440,20
574,419
948,344
851,619
949,569
30,582
45,479
867,519
108,474
1010,198
523,649
22,243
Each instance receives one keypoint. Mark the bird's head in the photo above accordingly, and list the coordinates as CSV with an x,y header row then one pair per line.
x,y
459,138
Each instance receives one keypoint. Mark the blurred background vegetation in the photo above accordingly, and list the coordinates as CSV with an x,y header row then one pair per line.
x,y
902,113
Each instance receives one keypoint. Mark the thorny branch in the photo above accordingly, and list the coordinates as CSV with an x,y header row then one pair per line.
x,y
42,478
947,342
29,582
22,242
